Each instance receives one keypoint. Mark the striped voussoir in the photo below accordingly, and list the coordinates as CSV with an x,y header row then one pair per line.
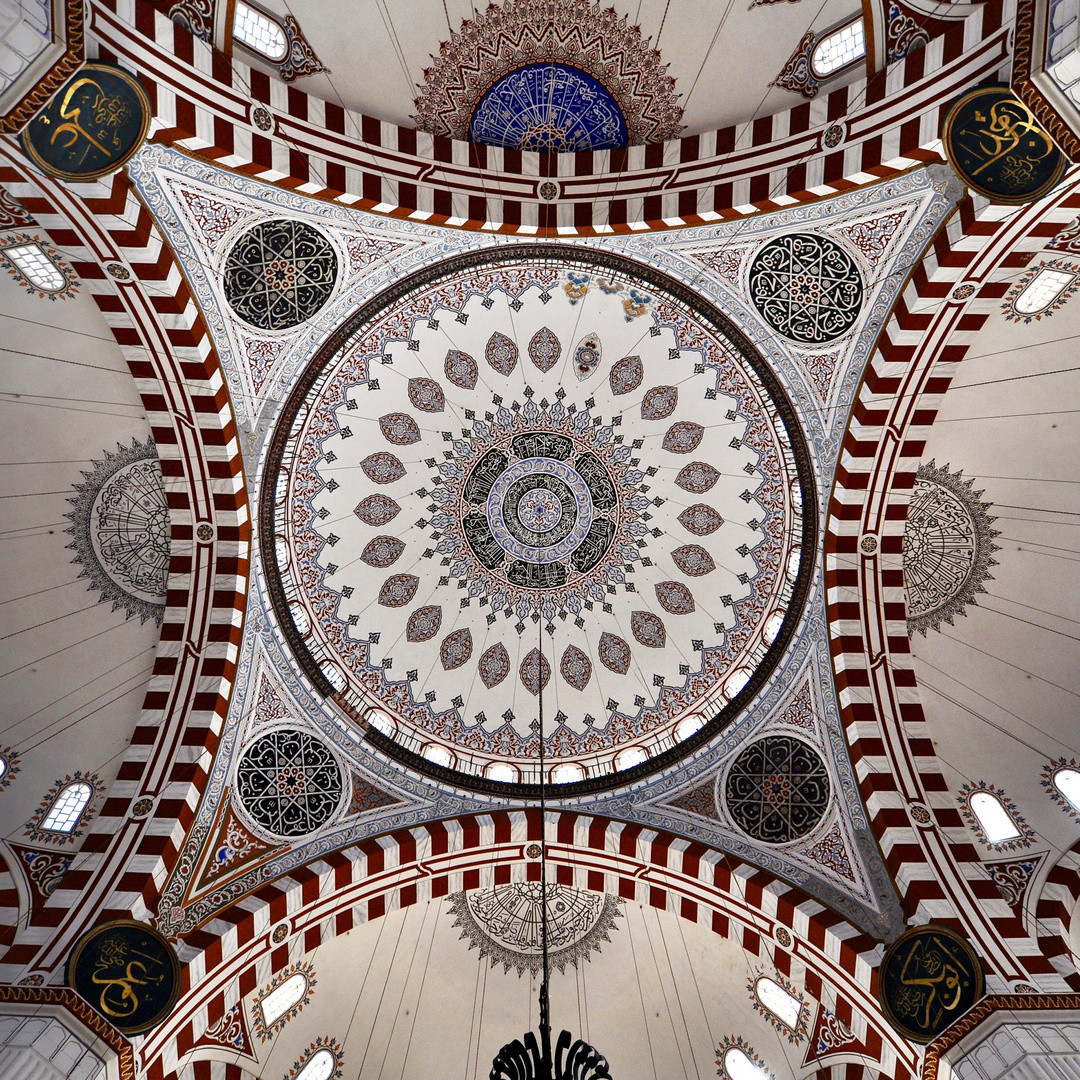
x,y
234,953
936,868
204,102
1054,912
161,334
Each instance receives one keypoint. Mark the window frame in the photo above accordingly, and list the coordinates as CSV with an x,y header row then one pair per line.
x,y
1044,270
1017,832
835,29
271,17
23,244
70,831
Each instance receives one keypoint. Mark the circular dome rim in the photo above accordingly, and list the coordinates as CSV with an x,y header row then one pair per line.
x,y
704,309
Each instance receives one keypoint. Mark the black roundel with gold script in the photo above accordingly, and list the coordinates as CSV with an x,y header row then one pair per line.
x,y
929,978
128,972
994,142
91,126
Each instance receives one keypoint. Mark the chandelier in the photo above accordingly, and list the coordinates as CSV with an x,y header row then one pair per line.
x,y
531,1058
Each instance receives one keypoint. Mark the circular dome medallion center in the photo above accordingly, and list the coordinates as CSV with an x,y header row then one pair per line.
x,y
537,473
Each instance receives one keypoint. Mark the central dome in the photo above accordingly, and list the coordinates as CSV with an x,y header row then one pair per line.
x,y
538,477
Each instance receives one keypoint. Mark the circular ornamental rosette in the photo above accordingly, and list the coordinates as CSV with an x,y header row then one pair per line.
x,y
538,473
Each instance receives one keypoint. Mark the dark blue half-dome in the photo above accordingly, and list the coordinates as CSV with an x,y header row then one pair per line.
x,y
549,107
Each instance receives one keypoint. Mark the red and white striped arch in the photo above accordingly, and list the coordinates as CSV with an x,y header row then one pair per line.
x,y
936,868
124,859
204,102
332,895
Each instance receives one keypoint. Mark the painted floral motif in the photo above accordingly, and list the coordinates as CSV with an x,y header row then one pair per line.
x,y
301,60
501,353
544,349
11,762
366,796
398,590
614,653
1012,878
700,519
382,552
674,597
659,403
796,75
626,375
399,428
1016,843
683,437
697,477
575,667
382,468
534,672
230,1031
456,649
587,356
693,560
45,869
460,368
426,395
649,629
904,34
494,665
377,510
424,623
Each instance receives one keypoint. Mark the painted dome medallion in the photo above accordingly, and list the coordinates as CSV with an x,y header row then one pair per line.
x,y
538,478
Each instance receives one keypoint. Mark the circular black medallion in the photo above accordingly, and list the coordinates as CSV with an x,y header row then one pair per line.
x,y
279,274
930,976
91,126
777,789
806,287
128,972
1000,150
289,782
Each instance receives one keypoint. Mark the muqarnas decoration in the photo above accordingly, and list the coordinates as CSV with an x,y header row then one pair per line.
x,y
579,78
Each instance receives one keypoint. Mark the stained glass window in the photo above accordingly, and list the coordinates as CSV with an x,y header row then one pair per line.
x,y
993,817
1044,289
260,32
282,998
786,1007
838,50
320,1066
36,267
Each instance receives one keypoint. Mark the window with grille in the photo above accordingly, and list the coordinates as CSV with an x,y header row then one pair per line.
x,y
1042,291
259,32
282,998
35,265
68,807
838,50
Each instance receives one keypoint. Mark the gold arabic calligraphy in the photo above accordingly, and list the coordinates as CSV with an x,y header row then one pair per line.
x,y
1008,130
117,975
932,981
92,114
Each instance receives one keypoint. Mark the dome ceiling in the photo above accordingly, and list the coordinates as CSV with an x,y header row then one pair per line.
x,y
584,495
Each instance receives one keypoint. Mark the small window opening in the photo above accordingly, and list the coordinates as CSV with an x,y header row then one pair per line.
x,y
1042,291
68,807
3,767
739,1066
36,266
787,1007
260,32
1067,781
282,998
320,1066
995,820
838,50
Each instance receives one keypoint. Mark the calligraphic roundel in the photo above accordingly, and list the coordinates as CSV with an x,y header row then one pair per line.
x,y
126,971
91,126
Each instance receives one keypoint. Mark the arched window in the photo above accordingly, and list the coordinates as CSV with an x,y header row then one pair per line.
x,y
320,1066
68,807
739,1066
838,50
260,32
281,999
35,265
1067,781
996,821
786,1007
1042,291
